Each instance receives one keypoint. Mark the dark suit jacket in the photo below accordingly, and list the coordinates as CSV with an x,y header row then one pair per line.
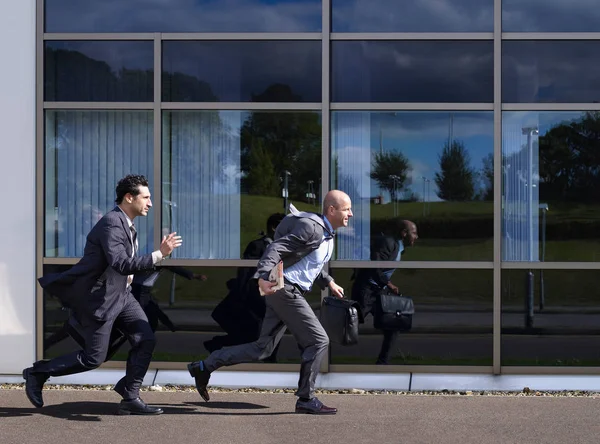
x,y
383,248
96,285
297,235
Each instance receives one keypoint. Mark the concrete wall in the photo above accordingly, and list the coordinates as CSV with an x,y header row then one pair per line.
x,y
17,185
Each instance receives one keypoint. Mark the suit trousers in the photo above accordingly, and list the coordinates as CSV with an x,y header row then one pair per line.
x,y
287,308
132,321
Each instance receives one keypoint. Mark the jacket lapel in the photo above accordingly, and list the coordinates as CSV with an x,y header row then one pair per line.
x,y
126,229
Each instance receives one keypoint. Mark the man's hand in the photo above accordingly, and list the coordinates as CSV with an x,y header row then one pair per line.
x,y
266,287
169,243
336,290
200,277
392,287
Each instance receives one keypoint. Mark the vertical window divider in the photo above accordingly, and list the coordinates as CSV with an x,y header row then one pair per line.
x,y
325,127
157,149
497,279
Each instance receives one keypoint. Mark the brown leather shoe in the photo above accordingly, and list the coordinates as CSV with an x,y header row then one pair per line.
x,y
314,407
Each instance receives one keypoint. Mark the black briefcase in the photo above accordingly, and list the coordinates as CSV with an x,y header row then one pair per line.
x,y
393,312
340,318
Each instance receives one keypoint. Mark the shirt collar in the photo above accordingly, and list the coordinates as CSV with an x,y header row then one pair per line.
x,y
328,226
129,221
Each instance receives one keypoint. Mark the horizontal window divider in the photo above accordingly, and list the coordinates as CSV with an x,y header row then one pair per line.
x,y
547,370
99,36
409,368
210,263
401,106
169,262
60,260
412,36
551,36
242,36
99,105
241,106
550,265
469,265
550,106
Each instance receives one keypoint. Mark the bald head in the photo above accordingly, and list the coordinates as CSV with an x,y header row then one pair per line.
x,y
408,232
337,208
334,198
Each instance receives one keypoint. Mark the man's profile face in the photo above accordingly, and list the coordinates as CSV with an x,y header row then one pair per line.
x,y
410,235
140,204
339,216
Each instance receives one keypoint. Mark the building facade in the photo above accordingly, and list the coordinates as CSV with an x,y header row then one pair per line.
x,y
479,120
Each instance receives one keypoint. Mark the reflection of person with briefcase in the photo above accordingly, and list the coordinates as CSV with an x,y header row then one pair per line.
x,y
376,294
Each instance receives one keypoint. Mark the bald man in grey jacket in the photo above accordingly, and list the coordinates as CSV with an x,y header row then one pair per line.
x,y
304,242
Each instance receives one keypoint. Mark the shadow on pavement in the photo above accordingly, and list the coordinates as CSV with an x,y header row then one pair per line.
x,y
94,411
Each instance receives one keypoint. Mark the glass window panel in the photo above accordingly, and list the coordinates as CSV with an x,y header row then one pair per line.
x,y
106,71
550,71
556,218
550,317
183,16
410,71
187,304
86,153
223,175
550,16
418,16
250,71
434,168
452,324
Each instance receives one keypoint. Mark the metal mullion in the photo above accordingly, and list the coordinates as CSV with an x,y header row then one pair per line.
x,y
551,107
98,105
301,106
39,181
98,36
497,277
241,36
410,368
551,36
412,36
325,128
551,265
431,265
175,262
549,370
157,149
395,106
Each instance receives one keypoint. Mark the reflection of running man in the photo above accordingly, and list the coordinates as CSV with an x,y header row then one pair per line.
x,y
369,282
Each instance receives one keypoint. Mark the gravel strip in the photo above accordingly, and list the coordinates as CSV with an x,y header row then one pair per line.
x,y
185,388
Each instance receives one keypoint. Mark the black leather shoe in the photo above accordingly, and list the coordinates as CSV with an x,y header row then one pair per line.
x,y
137,407
314,407
34,382
202,376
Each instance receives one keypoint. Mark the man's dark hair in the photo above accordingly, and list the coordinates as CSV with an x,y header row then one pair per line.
x,y
130,184
274,220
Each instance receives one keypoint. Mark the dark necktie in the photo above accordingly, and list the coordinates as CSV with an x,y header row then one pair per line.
x,y
134,239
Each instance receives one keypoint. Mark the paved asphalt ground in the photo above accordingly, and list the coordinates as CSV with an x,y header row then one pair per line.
x,y
84,416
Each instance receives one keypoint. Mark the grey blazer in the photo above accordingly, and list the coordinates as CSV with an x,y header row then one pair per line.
x,y
96,285
298,234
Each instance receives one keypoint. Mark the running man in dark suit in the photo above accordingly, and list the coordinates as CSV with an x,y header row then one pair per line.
x,y
97,290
